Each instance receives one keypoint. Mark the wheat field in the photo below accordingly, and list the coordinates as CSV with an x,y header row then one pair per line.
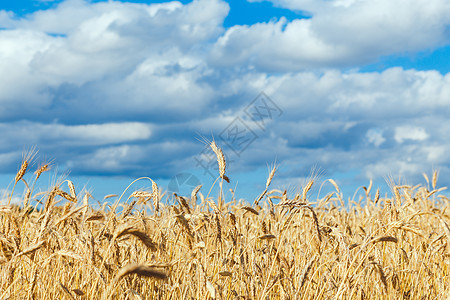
x,y
55,245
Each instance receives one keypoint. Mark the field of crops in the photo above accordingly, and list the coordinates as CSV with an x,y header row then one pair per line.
x,y
54,245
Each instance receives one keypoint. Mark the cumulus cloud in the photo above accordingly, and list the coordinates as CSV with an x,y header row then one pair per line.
x,y
403,133
136,49
338,34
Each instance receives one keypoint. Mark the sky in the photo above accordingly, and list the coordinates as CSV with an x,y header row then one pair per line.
x,y
110,91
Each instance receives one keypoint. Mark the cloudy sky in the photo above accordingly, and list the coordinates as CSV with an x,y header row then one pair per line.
x,y
111,91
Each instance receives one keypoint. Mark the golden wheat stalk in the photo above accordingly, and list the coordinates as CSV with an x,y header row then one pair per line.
x,y
143,237
194,194
22,171
269,180
306,189
65,195
31,249
155,196
73,193
41,170
306,270
250,209
220,160
141,270
70,214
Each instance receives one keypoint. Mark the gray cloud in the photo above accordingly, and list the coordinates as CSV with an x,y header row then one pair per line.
x,y
78,135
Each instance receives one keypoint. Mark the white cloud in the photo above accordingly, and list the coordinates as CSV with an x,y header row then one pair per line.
x,y
107,40
368,96
76,135
412,133
109,159
395,168
338,34
375,136
170,82
18,82
437,154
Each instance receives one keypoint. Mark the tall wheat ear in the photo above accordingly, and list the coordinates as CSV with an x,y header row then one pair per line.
x,y
138,269
220,160
26,160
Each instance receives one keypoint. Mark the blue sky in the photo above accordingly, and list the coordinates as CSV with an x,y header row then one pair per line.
x,y
112,91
